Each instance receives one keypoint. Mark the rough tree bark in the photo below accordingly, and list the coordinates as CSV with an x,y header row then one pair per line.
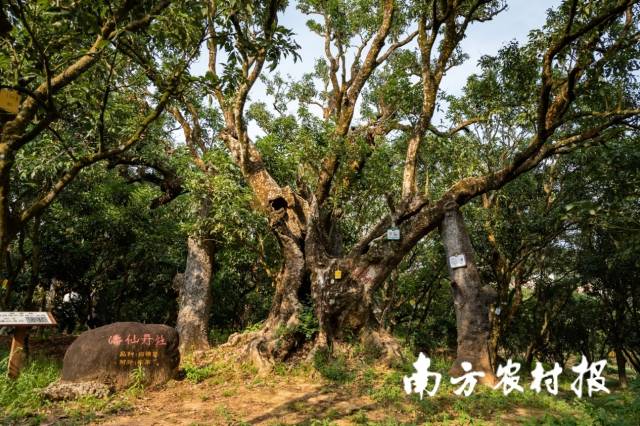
x,y
471,299
194,296
344,307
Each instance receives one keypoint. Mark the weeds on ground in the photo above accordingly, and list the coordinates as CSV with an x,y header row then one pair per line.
x,y
197,374
21,401
332,367
484,406
137,378
21,398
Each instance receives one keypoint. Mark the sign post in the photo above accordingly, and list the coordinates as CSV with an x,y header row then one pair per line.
x,y
22,321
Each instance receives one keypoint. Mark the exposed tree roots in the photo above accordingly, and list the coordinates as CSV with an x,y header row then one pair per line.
x,y
264,348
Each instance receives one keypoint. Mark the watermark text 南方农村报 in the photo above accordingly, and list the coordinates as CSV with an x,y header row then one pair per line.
x,y
591,373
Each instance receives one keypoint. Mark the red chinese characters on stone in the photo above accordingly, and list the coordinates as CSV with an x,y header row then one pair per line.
x,y
146,340
115,340
131,340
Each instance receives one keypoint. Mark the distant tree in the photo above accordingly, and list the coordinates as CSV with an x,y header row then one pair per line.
x,y
83,98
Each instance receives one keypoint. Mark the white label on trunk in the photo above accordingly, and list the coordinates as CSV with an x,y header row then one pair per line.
x,y
25,318
457,261
393,234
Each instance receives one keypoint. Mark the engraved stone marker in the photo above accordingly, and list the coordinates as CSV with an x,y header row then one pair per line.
x,y
108,354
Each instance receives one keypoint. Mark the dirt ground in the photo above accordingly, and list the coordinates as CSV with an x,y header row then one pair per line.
x,y
288,402
230,392
234,394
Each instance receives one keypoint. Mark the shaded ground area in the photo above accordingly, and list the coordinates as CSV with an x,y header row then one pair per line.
x,y
292,402
219,390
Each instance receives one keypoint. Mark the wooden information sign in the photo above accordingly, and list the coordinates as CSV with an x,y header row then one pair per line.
x,y
22,321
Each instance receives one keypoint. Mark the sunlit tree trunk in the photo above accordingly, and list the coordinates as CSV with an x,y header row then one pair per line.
x,y
194,296
471,298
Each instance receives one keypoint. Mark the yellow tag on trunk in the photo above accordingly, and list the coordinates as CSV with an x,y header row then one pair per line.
x,y
9,101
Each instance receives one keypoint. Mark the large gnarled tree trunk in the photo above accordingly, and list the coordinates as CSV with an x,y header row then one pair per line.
x,y
304,219
343,306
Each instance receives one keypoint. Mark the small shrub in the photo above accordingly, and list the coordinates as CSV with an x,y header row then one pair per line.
x,y
137,380
309,325
331,367
254,327
218,337
196,374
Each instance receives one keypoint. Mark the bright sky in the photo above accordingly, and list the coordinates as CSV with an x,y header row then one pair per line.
x,y
482,39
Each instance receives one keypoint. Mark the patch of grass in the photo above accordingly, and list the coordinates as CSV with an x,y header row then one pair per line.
x,y
229,392
280,369
488,406
387,395
621,407
248,369
301,369
360,418
332,367
117,406
224,412
389,392
391,422
137,378
298,406
319,422
20,398
197,374
89,408
367,378
254,327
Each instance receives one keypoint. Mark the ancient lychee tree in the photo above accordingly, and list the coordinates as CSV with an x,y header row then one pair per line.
x,y
347,158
